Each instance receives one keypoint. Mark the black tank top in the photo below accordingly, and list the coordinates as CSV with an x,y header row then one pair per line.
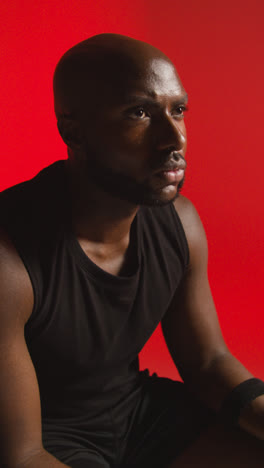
x,y
88,326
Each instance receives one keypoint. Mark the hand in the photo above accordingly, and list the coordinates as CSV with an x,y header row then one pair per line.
x,y
41,459
252,418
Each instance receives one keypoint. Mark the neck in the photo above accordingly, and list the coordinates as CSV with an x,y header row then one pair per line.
x,y
96,215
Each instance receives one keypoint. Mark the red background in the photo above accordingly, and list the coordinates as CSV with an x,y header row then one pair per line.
x,y
218,50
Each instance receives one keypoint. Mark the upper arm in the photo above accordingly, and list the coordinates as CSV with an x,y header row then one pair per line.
x,y
190,326
19,396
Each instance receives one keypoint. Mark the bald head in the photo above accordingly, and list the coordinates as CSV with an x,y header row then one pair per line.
x,y
97,66
120,106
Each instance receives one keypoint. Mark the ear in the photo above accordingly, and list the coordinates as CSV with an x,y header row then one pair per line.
x,y
70,132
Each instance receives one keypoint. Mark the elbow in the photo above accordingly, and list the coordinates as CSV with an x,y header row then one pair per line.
x,y
209,365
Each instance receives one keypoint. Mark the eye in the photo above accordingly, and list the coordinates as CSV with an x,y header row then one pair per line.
x,y
138,113
180,111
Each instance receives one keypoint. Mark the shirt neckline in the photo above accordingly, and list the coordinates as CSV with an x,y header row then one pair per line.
x,y
92,269
100,275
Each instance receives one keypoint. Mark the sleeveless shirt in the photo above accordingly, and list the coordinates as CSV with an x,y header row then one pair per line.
x,y
88,326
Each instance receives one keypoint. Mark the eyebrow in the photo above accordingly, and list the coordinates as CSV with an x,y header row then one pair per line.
x,y
149,99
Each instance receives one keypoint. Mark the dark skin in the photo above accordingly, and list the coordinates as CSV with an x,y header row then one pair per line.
x,y
133,134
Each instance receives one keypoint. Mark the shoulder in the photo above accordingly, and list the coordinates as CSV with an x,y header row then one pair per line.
x,y
49,179
193,228
188,215
29,208
16,291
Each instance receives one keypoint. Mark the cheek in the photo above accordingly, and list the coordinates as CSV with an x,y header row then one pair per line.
x,y
129,135
119,145
129,143
184,133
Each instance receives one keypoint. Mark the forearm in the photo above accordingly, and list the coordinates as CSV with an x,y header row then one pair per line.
x,y
215,382
40,459
252,418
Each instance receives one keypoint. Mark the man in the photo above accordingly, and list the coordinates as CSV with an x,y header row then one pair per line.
x,y
95,252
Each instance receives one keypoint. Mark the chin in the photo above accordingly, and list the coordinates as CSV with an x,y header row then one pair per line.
x,y
159,199
139,194
165,197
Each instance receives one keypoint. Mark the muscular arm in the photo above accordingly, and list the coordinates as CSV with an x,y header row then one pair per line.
x,y
192,332
20,414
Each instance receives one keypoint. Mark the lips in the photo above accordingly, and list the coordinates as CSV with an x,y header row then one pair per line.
x,y
172,166
172,172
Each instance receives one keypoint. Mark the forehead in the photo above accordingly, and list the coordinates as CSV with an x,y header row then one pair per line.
x,y
119,82
161,79
155,78
98,75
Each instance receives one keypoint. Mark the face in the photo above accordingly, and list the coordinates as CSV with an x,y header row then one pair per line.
x,y
135,137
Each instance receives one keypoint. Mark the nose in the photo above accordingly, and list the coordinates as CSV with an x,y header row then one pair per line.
x,y
170,134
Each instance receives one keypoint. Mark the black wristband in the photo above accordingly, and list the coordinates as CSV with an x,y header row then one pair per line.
x,y
240,397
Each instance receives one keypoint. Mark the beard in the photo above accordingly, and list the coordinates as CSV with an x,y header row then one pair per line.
x,y
125,187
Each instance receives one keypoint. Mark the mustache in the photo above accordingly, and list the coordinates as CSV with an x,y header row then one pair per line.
x,y
170,161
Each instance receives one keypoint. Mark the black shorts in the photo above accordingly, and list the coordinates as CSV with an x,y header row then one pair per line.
x,y
165,420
